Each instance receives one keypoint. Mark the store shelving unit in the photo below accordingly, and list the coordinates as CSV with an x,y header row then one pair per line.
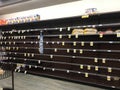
x,y
48,48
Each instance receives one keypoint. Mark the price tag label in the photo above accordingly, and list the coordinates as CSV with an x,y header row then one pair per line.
x,y
6,48
35,66
81,51
30,66
25,54
96,68
118,34
55,50
20,65
68,71
9,48
2,32
68,29
101,35
47,42
60,36
58,42
28,54
24,37
44,68
74,50
4,38
68,50
109,69
108,78
81,66
19,70
18,37
103,60
14,43
86,75
33,54
51,56
74,43
85,16
63,43
76,36
9,43
19,32
1,43
39,61
12,37
11,32
96,60
28,30
5,43
17,48
60,29
25,72
23,31
73,57
53,42
38,37
53,69
91,43
89,67
21,37
31,42
13,48
82,44
69,36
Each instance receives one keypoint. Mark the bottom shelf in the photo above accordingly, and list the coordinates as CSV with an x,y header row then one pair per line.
x,y
92,81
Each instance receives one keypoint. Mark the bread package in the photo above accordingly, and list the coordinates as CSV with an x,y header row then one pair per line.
x,y
117,31
109,32
90,31
77,31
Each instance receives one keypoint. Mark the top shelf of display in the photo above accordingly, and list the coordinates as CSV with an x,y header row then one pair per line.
x,y
90,21
20,20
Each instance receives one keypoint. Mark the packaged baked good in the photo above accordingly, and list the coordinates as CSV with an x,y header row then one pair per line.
x,y
77,31
117,31
109,32
90,31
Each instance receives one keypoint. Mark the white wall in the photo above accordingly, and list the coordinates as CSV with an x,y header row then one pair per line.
x,y
76,8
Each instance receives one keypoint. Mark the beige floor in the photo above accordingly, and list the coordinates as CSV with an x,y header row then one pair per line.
x,y
31,82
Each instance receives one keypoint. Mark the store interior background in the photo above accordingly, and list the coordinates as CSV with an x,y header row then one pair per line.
x,y
48,10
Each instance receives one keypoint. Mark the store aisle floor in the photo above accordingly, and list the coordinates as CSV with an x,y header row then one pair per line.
x,y
31,82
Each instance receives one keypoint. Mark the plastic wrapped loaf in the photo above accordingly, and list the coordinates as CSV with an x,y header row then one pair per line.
x,y
77,31
90,31
117,31
109,32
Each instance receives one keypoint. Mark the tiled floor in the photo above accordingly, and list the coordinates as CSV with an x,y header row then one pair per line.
x,y
31,82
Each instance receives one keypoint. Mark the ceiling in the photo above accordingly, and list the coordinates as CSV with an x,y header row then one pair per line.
x,y
11,6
